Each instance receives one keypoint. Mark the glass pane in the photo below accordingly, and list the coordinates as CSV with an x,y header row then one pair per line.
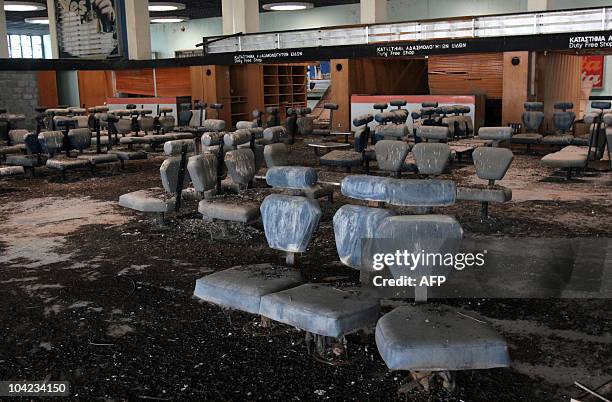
x,y
26,47
15,47
47,46
37,51
8,40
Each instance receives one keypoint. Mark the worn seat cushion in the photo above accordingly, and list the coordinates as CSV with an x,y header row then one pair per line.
x,y
484,193
558,139
432,338
99,159
25,160
128,155
342,158
526,138
245,213
241,288
566,158
66,164
13,149
11,171
150,200
320,309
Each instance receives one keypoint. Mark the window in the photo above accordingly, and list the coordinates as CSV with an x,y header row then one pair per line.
x,y
26,47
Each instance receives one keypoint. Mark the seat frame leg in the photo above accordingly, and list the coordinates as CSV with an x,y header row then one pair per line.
x,y
484,210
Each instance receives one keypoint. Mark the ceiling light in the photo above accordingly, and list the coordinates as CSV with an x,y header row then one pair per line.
x,y
165,6
288,6
23,6
38,20
161,20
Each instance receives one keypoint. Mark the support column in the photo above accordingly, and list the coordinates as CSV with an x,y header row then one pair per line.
x,y
138,29
52,29
240,16
373,11
3,41
538,5
516,83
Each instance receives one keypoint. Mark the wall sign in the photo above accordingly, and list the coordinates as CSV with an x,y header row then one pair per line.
x,y
87,28
593,70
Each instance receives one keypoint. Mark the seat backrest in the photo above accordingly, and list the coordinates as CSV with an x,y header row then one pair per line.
x,y
241,125
431,158
203,172
495,134
18,136
79,138
166,123
564,119
169,169
391,154
418,235
434,133
353,223
124,126
51,141
276,155
291,177
240,165
533,116
184,118
32,144
492,163
213,125
289,221
146,123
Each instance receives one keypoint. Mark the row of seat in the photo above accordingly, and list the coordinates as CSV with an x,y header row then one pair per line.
x,y
574,158
416,338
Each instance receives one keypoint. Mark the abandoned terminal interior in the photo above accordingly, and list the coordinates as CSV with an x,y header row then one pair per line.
x,y
306,200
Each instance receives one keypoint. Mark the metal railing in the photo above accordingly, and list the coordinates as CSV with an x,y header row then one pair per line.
x,y
537,23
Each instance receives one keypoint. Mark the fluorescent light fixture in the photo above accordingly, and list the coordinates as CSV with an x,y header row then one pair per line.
x,y
162,20
165,6
23,6
38,20
288,6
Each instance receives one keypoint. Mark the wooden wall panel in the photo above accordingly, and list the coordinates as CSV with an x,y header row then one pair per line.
x,y
47,88
341,93
216,89
196,74
173,81
139,82
559,79
94,87
471,74
515,87
389,77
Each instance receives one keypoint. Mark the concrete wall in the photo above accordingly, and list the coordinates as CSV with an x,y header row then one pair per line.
x,y
167,38
19,93
68,88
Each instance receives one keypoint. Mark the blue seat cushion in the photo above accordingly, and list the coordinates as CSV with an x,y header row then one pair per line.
x,y
241,288
321,309
432,338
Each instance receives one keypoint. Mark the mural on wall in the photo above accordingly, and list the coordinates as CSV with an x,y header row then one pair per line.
x,y
593,70
87,28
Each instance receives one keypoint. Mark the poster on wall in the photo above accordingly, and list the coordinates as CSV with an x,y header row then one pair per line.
x,y
87,29
593,70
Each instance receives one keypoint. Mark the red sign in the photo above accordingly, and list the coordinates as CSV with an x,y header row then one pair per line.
x,y
593,70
